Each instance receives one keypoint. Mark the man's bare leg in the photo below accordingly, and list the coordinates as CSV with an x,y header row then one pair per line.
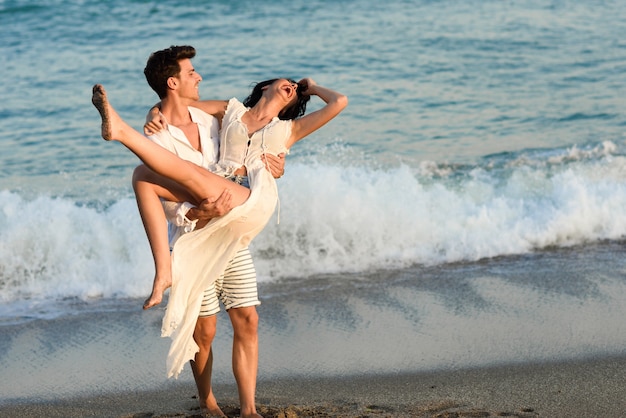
x,y
202,365
246,356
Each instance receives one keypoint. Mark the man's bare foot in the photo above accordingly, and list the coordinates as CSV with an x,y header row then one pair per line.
x,y
212,412
158,288
210,408
100,101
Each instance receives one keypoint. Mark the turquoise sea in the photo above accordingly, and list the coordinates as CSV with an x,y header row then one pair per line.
x,y
481,163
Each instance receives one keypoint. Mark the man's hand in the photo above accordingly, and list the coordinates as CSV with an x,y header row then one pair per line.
x,y
275,164
208,210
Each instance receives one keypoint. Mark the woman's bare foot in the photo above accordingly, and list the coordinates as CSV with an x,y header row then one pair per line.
x,y
159,287
113,127
100,101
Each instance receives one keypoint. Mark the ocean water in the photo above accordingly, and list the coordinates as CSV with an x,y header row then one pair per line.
x,y
477,130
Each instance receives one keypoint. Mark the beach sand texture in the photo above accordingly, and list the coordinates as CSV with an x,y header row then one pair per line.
x,y
592,388
431,342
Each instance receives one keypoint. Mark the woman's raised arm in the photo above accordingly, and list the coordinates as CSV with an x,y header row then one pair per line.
x,y
335,103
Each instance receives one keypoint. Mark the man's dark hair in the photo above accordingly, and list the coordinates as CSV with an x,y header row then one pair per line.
x,y
164,64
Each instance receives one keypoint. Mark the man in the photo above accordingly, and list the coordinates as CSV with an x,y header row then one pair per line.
x,y
193,135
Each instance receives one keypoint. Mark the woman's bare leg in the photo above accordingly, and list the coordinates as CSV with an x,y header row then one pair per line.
x,y
149,188
199,182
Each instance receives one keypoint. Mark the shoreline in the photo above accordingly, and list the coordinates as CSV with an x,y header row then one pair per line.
x,y
577,388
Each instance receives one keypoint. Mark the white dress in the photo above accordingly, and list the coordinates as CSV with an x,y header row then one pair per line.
x,y
199,257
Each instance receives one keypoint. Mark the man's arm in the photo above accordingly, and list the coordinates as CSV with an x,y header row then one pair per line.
x,y
192,217
216,108
208,210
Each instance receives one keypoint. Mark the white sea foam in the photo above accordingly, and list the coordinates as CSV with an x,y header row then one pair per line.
x,y
55,248
333,219
355,219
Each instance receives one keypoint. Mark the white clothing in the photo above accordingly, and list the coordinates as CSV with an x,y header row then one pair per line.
x,y
175,140
199,257
240,147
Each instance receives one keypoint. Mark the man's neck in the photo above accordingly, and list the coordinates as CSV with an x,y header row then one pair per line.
x,y
175,111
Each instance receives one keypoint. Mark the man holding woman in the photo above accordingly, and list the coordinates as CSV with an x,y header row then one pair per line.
x,y
268,122
194,136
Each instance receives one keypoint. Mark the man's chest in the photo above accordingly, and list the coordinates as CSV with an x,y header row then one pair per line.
x,y
192,134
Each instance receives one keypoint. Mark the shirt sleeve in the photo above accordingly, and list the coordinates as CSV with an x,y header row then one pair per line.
x,y
157,139
176,213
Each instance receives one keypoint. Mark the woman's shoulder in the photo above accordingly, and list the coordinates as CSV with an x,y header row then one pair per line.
x,y
234,102
235,107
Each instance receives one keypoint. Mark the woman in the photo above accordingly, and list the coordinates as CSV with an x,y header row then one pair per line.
x,y
247,134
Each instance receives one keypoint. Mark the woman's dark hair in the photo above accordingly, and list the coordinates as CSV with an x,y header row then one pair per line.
x,y
292,112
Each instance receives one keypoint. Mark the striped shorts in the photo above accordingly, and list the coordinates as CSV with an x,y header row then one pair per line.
x,y
236,287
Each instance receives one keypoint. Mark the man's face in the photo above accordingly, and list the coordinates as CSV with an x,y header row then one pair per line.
x,y
188,81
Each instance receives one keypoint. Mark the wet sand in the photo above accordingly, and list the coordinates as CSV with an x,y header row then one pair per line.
x,y
591,388
526,336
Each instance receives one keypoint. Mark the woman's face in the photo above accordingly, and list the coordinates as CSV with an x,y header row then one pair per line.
x,y
286,88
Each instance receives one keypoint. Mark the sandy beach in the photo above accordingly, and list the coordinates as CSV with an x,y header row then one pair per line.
x,y
349,348
591,388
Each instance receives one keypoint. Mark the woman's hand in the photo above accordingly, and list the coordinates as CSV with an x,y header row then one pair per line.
x,y
155,122
335,103
306,84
